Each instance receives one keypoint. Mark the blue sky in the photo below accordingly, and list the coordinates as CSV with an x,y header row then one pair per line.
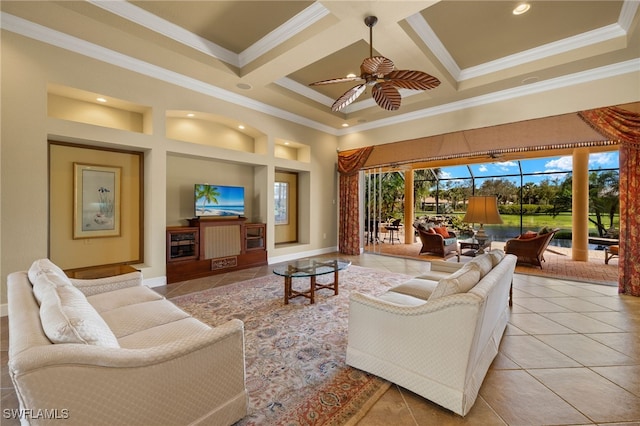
x,y
604,160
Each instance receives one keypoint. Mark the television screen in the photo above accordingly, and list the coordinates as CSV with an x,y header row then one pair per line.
x,y
218,200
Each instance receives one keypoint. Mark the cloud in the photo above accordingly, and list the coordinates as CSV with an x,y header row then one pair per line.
x,y
603,160
483,168
559,164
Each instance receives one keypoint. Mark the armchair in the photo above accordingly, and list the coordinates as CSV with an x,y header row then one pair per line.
x,y
530,250
435,243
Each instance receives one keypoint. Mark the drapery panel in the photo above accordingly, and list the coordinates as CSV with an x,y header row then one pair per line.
x,y
624,126
349,164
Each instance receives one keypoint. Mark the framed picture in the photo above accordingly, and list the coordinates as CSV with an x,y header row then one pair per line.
x,y
96,201
281,202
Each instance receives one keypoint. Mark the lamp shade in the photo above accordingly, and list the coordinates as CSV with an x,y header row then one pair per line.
x,y
482,210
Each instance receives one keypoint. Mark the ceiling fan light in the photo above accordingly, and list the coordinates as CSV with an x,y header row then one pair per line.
x,y
521,8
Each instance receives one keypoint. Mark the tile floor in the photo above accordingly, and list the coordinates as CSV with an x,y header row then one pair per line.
x,y
570,355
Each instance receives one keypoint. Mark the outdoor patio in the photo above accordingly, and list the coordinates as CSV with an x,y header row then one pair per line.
x,y
558,263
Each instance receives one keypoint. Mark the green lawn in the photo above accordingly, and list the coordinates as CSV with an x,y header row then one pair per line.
x,y
537,221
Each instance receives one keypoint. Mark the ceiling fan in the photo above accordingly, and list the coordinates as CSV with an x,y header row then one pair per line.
x,y
380,73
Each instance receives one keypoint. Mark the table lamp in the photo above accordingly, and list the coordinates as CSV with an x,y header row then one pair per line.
x,y
482,210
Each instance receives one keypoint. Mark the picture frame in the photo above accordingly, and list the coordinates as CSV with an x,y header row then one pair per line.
x,y
96,201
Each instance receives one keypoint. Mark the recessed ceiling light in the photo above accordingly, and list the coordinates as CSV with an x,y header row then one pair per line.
x,y
286,143
345,124
241,126
101,100
352,75
521,8
244,86
191,114
530,80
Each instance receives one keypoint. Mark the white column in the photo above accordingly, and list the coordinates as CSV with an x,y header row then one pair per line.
x,y
580,205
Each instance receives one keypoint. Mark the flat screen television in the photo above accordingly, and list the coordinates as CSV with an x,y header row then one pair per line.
x,y
218,200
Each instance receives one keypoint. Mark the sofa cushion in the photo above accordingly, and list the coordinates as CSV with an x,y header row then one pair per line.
x,y
44,273
67,317
449,241
47,267
110,300
130,319
496,256
401,299
484,264
420,288
460,281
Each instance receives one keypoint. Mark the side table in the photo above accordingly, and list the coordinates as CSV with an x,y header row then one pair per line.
x,y
93,272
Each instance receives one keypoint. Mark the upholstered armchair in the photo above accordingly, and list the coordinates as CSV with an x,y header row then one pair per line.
x,y
433,242
530,246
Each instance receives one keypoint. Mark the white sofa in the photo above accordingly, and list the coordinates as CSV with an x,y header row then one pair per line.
x,y
112,351
435,335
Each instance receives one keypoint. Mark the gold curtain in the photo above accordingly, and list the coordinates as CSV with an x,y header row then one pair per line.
x,y
624,126
349,164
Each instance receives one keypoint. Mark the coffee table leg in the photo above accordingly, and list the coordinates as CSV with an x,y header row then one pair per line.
x,y
287,289
335,281
312,291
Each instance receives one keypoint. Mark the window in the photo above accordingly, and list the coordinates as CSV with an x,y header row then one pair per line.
x,y
281,195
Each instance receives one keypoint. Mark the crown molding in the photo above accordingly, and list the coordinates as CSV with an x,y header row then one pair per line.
x,y
284,32
431,40
627,67
133,13
46,35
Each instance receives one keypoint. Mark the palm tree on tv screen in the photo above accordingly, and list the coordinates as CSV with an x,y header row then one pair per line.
x,y
208,194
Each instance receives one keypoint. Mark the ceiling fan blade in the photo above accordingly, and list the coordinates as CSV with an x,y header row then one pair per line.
x,y
377,65
348,97
335,80
416,80
386,96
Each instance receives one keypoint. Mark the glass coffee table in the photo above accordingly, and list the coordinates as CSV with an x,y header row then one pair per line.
x,y
312,268
473,246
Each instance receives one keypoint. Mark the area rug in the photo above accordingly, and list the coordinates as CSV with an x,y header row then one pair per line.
x,y
296,372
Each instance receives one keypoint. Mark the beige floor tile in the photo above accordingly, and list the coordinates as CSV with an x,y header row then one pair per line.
x,y
626,343
580,323
541,291
529,352
391,407
535,304
537,324
428,413
625,376
598,398
586,351
520,399
619,320
577,304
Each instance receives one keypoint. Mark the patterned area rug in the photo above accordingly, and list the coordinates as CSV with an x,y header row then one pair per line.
x,y
295,354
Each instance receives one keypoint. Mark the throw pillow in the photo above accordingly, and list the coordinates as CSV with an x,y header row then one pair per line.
x,y
461,281
496,256
527,235
67,317
431,231
484,264
543,230
45,266
442,231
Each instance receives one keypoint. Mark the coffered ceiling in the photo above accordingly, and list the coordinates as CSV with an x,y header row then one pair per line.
x,y
264,54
